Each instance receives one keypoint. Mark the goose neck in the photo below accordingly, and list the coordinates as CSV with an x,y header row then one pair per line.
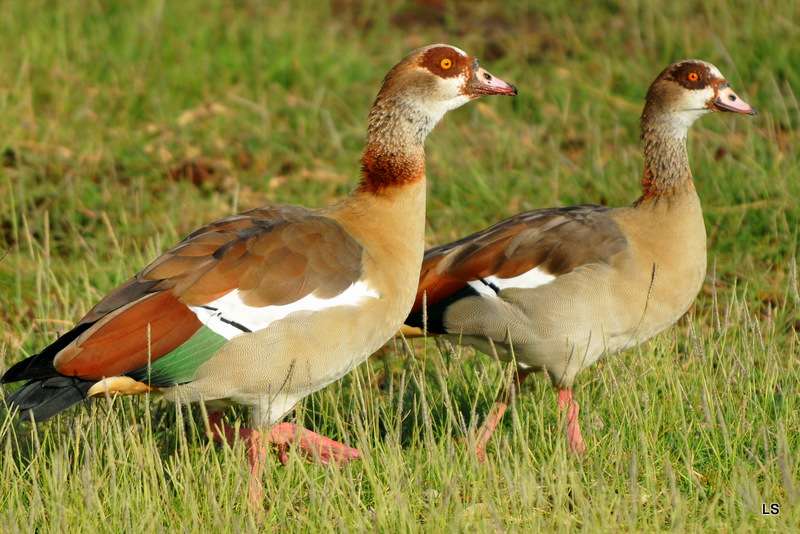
x,y
394,153
667,173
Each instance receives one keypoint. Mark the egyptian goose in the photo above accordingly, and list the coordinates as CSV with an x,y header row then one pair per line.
x,y
556,289
263,308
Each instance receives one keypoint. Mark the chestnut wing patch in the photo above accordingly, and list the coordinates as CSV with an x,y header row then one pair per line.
x,y
128,338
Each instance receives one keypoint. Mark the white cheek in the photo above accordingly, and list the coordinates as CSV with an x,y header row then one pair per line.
x,y
449,96
527,280
699,99
693,105
228,316
684,121
457,102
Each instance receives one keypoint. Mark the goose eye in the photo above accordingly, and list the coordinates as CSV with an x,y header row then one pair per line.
x,y
693,77
446,63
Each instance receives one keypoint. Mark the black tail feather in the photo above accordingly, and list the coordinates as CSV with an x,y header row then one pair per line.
x,y
40,366
435,312
41,399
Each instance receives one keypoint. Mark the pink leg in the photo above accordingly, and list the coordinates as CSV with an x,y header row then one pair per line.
x,y
221,432
314,445
496,413
571,425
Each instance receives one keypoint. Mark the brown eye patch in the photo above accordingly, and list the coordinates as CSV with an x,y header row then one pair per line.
x,y
692,75
445,61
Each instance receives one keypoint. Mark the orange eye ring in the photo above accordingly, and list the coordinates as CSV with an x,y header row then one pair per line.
x,y
693,77
446,63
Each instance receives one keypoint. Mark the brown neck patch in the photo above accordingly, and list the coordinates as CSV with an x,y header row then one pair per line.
x,y
656,187
381,172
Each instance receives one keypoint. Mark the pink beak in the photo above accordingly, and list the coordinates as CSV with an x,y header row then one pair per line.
x,y
483,83
727,100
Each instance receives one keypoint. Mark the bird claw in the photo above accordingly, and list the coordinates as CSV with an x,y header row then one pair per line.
x,y
283,454
315,446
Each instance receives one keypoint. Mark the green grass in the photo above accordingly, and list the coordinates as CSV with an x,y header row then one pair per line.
x,y
126,125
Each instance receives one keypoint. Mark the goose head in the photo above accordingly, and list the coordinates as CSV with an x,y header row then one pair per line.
x,y
431,81
687,90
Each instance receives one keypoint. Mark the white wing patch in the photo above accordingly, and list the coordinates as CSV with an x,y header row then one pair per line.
x,y
527,280
228,316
